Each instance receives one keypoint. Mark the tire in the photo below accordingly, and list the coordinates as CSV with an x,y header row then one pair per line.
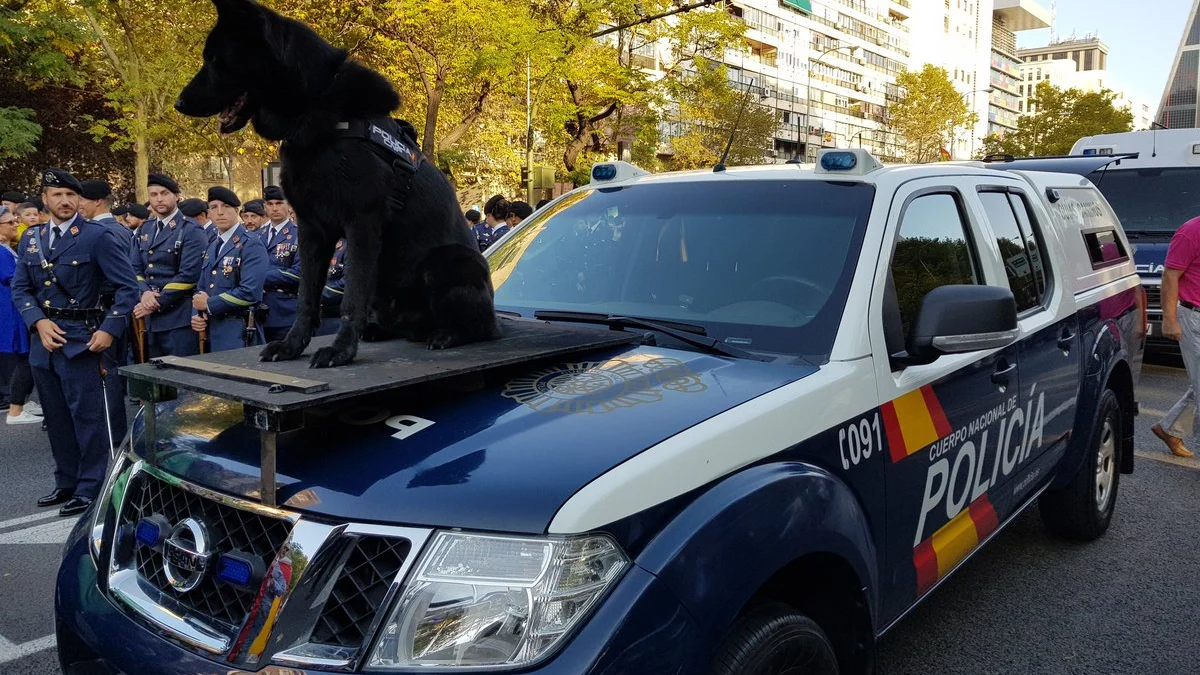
x,y
1083,509
775,639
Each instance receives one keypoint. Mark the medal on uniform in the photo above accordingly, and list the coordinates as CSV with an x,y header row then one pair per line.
x,y
74,230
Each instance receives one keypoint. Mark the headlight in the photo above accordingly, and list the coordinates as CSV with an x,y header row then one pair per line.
x,y
477,600
104,513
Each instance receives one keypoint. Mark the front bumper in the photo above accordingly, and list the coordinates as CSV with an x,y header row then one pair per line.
x,y
639,628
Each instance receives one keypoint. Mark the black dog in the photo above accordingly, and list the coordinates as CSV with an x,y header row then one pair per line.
x,y
413,269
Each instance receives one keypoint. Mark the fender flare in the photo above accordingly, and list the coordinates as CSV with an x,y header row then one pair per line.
x,y
725,545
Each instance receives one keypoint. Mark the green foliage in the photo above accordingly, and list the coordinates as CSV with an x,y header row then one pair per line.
x,y
922,264
928,112
18,133
1061,117
711,105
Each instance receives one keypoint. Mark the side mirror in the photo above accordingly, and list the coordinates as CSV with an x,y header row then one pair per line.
x,y
958,319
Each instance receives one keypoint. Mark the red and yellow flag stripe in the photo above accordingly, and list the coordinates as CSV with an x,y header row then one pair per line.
x,y
937,555
914,421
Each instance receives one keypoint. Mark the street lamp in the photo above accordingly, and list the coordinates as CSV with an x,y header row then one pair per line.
x,y
808,82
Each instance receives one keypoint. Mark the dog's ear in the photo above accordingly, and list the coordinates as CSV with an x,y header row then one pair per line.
x,y
235,7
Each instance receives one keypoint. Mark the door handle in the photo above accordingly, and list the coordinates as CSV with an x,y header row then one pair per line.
x,y
1066,341
1002,372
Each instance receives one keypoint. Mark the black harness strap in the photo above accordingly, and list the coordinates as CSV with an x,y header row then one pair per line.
x,y
393,140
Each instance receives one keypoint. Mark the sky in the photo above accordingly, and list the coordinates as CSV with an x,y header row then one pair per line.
x,y
1142,36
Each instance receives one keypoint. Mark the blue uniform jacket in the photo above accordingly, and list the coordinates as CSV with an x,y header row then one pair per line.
x,y
283,277
335,282
483,235
83,259
170,264
210,232
232,275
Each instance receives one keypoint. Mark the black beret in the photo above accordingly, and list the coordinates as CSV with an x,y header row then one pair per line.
x,y
120,210
59,178
163,180
255,206
193,207
473,216
12,196
521,210
139,211
223,194
95,189
273,193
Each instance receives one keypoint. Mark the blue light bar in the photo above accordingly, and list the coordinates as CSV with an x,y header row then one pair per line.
x,y
1089,152
239,569
149,532
604,172
839,161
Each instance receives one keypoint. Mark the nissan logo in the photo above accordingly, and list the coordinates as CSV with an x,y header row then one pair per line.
x,y
186,554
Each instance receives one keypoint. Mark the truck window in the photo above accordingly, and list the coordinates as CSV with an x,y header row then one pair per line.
x,y
1027,282
933,249
1151,202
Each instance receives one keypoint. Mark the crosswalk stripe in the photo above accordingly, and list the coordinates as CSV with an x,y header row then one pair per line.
x,y
13,522
12,652
48,533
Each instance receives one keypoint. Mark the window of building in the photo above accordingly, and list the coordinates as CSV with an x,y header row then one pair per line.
x,y
932,250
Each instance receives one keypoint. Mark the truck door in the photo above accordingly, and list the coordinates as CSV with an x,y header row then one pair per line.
x,y
941,419
1050,341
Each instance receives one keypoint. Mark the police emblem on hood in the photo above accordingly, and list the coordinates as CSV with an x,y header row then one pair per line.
x,y
597,387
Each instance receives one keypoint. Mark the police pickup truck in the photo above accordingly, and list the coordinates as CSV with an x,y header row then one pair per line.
x,y
757,416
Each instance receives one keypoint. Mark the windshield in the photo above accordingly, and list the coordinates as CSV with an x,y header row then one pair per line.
x,y
765,265
1151,199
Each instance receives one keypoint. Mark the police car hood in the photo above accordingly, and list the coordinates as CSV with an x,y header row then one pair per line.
x,y
502,458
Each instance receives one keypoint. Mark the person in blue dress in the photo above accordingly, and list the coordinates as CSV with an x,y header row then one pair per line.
x,y
15,376
231,277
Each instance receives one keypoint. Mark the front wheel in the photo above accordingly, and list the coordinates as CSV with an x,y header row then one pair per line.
x,y
775,639
1084,508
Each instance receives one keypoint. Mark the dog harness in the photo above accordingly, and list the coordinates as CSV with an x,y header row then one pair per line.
x,y
395,140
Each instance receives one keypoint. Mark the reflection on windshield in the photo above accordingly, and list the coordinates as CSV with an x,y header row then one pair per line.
x,y
764,264
1151,199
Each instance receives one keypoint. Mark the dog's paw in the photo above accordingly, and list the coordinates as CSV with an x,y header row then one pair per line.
x,y
284,350
444,339
331,357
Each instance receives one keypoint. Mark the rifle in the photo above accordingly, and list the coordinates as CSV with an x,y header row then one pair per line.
x,y
139,343
204,333
250,332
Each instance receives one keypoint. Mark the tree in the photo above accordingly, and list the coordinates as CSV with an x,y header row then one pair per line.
x,y
18,132
1060,117
710,106
928,112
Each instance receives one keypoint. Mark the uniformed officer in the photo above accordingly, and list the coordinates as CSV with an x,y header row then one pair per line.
x,y
137,215
253,215
95,204
281,237
197,210
167,256
231,278
331,297
57,290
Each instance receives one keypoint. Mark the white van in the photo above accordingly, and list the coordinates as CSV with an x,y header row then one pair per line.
x,y
1153,194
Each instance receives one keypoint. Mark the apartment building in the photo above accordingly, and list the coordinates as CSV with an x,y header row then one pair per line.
x,y
1064,74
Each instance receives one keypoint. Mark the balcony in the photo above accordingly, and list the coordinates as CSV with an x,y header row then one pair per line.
x,y
901,9
1020,15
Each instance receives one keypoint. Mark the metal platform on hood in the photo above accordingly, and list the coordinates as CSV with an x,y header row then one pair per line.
x,y
275,394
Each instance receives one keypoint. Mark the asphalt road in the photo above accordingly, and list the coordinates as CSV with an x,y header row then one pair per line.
x,y
1028,603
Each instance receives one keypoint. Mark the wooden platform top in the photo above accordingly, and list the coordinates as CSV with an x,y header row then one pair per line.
x,y
380,366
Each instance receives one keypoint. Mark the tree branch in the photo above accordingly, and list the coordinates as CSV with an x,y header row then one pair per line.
x,y
473,114
653,17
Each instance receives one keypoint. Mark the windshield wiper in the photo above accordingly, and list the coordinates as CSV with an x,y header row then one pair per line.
x,y
1146,234
684,332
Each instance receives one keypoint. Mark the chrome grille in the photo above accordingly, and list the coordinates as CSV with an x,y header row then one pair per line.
x,y
1153,297
231,528
359,591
